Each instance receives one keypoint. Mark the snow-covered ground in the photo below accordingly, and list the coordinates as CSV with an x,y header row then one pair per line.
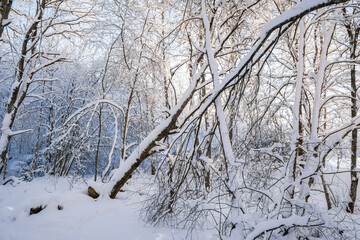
x,y
81,217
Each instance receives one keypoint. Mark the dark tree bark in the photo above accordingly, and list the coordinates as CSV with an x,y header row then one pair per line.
x,y
5,8
353,33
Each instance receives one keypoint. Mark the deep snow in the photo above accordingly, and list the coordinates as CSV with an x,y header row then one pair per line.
x,y
81,217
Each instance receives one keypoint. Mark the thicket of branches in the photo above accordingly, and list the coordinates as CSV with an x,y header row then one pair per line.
x,y
244,112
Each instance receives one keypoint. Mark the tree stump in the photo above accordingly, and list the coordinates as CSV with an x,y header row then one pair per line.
x,y
36,210
92,192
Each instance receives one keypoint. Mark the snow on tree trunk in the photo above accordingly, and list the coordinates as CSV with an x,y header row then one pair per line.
x,y
5,7
122,174
296,120
313,163
22,82
224,132
354,180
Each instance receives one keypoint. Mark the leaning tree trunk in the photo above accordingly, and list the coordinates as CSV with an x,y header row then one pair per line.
x,y
262,46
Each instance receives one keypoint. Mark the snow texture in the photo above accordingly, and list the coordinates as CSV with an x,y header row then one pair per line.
x,y
81,217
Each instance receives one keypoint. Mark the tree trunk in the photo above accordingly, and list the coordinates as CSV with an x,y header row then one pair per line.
x,y
98,144
143,150
19,90
354,138
353,36
5,8
36,155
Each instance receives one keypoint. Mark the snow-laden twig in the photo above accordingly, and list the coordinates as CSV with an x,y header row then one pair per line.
x,y
270,225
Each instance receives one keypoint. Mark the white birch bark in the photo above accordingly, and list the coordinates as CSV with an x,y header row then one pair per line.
x,y
223,128
313,160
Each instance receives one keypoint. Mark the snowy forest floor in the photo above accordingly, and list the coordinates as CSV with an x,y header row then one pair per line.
x,y
81,217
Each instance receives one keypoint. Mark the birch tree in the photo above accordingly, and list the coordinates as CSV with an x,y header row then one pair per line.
x,y
32,59
263,43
